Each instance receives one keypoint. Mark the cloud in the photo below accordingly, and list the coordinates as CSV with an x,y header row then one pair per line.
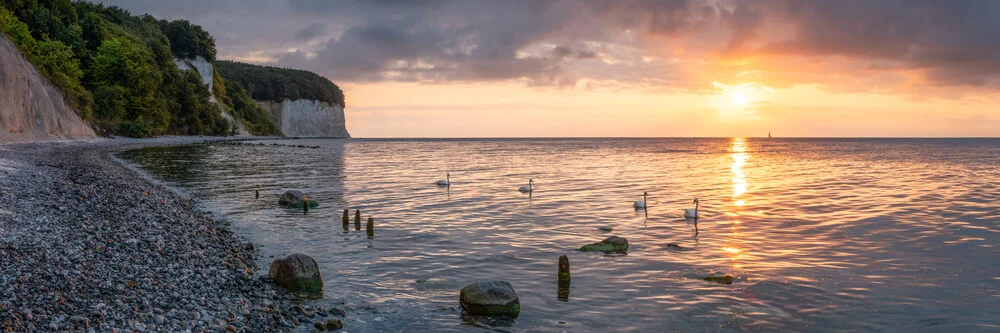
x,y
311,32
849,44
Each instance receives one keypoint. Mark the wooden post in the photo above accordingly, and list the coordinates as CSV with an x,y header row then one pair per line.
x,y
347,218
357,219
370,227
305,206
256,194
564,278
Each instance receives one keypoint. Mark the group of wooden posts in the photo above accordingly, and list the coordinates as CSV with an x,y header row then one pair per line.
x,y
369,227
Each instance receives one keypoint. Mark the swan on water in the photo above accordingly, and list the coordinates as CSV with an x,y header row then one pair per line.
x,y
641,204
527,189
692,212
446,181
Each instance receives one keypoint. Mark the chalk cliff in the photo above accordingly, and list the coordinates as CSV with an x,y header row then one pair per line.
x,y
32,109
307,118
300,103
206,70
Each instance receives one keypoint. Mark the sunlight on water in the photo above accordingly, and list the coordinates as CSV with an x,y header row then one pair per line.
x,y
846,235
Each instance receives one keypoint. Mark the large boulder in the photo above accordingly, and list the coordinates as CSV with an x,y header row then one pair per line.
x,y
296,272
613,244
490,298
296,199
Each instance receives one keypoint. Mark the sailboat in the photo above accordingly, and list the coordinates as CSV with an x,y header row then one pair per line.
x,y
768,135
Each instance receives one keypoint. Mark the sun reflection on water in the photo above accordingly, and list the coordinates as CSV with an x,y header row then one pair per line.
x,y
738,152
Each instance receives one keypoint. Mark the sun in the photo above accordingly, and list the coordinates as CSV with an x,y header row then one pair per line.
x,y
740,99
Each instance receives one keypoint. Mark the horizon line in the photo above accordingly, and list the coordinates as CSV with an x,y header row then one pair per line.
x,y
671,137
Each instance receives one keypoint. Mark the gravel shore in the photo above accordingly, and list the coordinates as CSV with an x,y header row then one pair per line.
x,y
88,245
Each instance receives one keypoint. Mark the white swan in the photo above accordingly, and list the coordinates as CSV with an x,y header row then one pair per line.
x,y
527,189
641,204
446,181
692,212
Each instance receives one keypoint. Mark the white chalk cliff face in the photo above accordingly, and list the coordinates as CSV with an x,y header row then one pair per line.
x,y
204,68
307,118
31,108
207,71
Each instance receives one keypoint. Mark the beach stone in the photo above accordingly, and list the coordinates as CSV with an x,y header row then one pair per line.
x,y
490,298
296,272
334,324
231,328
296,199
608,245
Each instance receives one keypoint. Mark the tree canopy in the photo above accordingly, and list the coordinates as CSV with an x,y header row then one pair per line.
x,y
117,69
278,84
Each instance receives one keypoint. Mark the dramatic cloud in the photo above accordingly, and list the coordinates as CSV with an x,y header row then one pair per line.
x,y
663,45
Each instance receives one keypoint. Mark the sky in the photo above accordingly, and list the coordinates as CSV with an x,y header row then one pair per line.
x,y
629,68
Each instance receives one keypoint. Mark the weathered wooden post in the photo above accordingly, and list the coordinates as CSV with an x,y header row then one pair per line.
x,y
370,227
305,204
347,219
564,278
357,219
256,194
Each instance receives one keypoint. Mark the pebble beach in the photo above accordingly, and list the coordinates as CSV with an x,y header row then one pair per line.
x,y
87,244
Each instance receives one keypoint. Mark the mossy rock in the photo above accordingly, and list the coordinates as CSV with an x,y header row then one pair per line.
x,y
296,199
490,298
312,204
613,244
726,279
297,272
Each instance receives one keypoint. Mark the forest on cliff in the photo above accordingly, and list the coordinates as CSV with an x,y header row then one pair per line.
x,y
118,71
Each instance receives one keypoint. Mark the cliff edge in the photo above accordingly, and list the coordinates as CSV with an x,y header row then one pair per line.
x,y
32,109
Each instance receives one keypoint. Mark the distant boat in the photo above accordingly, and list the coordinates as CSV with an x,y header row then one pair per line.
x,y
768,135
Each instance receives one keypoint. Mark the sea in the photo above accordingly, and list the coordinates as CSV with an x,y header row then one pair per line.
x,y
820,235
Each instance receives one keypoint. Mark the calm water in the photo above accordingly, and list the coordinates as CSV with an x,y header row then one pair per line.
x,y
821,235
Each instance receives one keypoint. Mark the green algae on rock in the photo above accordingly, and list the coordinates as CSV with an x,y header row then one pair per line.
x,y
297,272
613,244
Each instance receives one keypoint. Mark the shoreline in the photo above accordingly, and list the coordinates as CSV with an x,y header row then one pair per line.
x,y
90,243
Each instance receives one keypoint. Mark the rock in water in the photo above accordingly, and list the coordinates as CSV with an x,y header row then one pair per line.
x,y
296,199
726,279
334,324
296,272
319,326
613,244
490,298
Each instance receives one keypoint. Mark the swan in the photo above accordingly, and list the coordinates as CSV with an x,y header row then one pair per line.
x,y
446,181
692,212
527,189
641,204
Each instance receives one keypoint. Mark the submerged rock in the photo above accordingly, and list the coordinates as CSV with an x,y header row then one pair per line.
x,y
674,246
296,199
297,272
490,298
319,326
613,244
727,279
334,324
